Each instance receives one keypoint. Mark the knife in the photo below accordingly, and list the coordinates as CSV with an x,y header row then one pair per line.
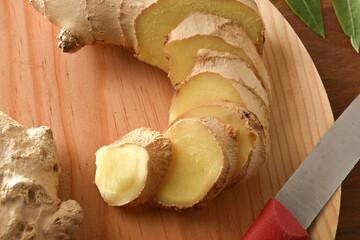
x,y
300,200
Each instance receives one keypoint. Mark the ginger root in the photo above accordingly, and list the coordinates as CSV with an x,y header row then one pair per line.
x,y
29,179
139,24
214,54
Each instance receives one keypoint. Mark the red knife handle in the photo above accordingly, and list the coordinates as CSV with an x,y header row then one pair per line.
x,y
275,222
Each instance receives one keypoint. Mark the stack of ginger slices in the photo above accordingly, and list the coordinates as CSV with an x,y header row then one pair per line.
x,y
219,117
218,125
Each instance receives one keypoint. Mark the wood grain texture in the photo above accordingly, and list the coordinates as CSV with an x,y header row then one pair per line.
x,y
339,67
99,94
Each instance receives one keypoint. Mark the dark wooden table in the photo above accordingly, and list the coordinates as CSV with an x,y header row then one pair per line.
x,y
339,68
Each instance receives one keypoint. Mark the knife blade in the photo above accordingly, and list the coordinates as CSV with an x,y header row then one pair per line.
x,y
300,200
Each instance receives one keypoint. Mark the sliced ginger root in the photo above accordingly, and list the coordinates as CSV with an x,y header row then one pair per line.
x,y
139,24
221,35
29,177
160,18
203,161
251,138
212,87
231,67
129,170
216,79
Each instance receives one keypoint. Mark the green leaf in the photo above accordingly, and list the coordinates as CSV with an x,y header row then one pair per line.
x,y
309,11
348,14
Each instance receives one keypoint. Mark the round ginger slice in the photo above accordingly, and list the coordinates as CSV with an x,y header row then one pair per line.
x,y
204,158
251,137
129,171
221,35
209,87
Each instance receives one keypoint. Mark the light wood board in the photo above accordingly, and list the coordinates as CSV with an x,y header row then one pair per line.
x,y
99,94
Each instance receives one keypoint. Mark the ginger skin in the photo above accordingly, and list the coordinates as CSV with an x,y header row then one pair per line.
x,y
29,179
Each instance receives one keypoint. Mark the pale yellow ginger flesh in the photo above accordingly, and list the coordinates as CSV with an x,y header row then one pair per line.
x,y
203,88
159,19
182,54
196,165
225,114
234,69
227,46
121,173
211,87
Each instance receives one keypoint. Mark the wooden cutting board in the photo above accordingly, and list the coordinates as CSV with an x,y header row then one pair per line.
x,y
99,94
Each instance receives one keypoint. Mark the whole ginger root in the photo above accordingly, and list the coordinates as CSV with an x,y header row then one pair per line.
x,y
29,177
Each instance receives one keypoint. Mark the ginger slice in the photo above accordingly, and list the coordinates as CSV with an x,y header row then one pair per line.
x,y
251,137
232,67
29,178
203,161
157,20
121,173
129,170
211,87
221,35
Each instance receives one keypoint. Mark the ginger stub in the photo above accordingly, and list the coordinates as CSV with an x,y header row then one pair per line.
x,y
129,170
204,159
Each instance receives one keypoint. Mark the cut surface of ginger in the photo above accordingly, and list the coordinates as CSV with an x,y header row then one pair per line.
x,y
163,16
203,88
196,164
121,173
182,54
206,87
224,112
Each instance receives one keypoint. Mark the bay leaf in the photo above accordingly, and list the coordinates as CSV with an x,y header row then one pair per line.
x,y
348,14
309,11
